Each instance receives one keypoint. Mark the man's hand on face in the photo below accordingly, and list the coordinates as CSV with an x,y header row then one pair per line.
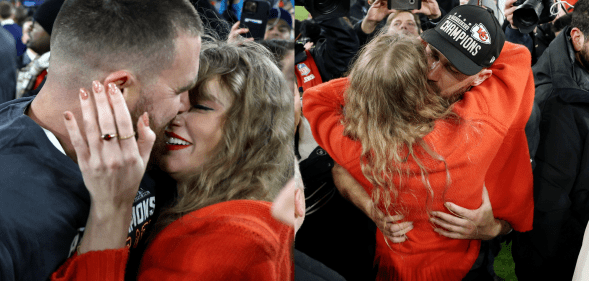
x,y
470,224
430,8
390,226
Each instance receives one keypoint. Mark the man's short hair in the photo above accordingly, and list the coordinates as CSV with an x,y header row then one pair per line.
x,y
581,17
5,9
106,35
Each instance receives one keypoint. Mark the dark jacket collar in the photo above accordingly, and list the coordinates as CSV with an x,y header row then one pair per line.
x,y
558,66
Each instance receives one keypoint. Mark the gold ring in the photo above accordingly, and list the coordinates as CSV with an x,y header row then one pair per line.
x,y
127,137
108,136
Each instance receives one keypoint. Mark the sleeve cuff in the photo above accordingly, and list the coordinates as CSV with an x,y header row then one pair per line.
x,y
94,266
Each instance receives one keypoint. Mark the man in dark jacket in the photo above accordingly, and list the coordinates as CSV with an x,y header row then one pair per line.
x,y
560,125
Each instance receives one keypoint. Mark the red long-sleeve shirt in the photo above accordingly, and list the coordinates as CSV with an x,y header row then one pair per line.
x,y
233,240
488,147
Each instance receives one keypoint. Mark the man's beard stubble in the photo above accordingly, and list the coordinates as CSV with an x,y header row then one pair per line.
x,y
454,97
583,57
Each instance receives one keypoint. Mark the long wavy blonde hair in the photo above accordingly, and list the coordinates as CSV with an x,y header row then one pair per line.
x,y
390,108
255,157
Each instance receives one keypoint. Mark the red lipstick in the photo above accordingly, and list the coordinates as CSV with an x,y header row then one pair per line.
x,y
170,146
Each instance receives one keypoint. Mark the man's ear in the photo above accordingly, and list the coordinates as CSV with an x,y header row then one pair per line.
x,y
125,81
482,76
299,203
577,38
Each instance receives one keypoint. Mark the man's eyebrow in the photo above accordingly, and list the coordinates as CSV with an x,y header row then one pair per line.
x,y
187,87
458,74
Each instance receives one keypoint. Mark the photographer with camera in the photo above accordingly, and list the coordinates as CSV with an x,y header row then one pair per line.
x,y
530,23
559,127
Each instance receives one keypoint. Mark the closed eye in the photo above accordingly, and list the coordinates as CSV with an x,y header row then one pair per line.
x,y
452,69
202,107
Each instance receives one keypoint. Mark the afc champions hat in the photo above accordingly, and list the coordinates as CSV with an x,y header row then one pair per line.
x,y
470,37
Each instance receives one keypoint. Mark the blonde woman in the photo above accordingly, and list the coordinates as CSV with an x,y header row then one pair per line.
x,y
230,154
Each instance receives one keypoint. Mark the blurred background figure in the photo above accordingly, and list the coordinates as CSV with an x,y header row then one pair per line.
x,y
7,14
29,54
32,76
279,25
7,66
279,18
403,22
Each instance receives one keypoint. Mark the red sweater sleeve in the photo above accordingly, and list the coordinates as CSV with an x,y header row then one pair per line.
x,y
322,106
94,266
504,103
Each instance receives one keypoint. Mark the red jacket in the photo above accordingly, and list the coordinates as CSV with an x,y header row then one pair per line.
x,y
234,240
487,147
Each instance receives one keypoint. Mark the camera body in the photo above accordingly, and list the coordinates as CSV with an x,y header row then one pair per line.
x,y
530,13
254,16
405,5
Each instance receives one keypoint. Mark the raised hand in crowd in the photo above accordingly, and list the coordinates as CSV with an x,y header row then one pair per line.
x,y
353,191
236,32
509,9
429,8
470,224
377,12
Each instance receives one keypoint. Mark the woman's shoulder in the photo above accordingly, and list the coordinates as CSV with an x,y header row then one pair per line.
x,y
242,219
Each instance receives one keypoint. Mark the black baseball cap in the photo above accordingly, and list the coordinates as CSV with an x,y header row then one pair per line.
x,y
470,37
47,13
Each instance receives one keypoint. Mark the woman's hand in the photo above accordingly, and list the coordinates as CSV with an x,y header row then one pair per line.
x,y
235,34
112,162
350,189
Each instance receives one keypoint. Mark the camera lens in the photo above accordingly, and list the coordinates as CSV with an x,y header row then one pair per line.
x,y
326,6
526,15
250,7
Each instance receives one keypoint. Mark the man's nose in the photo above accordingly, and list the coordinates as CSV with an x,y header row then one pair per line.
x,y
435,71
184,102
